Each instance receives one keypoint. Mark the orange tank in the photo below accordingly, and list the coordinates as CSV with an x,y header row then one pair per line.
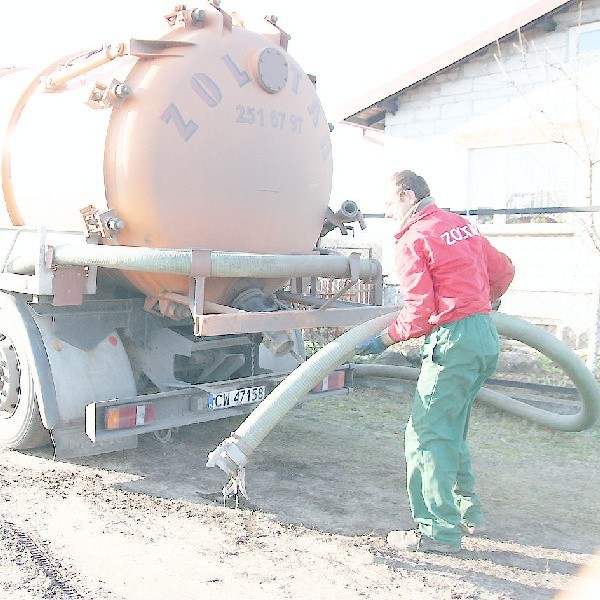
x,y
211,137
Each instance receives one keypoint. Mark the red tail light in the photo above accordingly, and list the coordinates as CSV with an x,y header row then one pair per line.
x,y
334,381
124,417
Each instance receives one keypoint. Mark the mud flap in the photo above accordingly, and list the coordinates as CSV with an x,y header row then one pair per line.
x,y
71,441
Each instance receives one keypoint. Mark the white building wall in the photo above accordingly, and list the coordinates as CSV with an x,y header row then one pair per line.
x,y
520,96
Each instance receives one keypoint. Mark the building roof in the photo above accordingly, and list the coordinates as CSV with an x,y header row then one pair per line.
x,y
369,111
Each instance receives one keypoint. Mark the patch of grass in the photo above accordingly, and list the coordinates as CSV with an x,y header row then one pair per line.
x,y
519,437
386,413
373,410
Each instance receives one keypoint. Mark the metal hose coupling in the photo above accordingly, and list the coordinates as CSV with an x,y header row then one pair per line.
x,y
230,455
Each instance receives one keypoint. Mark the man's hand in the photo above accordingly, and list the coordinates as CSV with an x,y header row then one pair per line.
x,y
374,345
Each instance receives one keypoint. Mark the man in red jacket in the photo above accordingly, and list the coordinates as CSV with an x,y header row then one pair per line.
x,y
449,276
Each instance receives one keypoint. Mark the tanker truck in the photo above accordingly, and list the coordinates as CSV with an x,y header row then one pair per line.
x,y
159,235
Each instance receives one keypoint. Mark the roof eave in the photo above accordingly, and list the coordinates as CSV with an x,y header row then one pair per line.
x,y
351,113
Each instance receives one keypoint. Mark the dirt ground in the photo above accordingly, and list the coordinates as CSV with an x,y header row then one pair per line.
x,y
324,488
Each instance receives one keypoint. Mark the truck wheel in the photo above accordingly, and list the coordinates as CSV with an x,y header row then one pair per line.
x,y
20,423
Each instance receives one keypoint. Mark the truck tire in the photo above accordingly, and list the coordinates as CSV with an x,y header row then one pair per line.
x,y
20,423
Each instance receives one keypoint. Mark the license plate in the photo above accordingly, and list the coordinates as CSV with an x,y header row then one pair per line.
x,y
231,398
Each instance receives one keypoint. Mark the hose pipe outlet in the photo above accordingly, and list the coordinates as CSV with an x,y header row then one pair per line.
x,y
278,343
253,299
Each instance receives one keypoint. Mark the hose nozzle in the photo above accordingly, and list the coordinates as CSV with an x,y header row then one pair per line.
x,y
348,213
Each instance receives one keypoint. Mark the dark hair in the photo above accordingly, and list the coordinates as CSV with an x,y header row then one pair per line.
x,y
409,180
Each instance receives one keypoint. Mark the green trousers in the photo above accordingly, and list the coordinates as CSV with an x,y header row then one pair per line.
x,y
457,359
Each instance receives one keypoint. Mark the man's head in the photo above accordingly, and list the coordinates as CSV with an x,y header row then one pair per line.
x,y
407,189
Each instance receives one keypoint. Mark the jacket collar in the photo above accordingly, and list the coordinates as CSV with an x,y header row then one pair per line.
x,y
421,209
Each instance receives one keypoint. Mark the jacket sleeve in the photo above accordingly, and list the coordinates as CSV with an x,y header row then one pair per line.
x,y
416,286
500,270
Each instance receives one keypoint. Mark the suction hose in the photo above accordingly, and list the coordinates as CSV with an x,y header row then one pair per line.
x,y
518,329
233,453
222,264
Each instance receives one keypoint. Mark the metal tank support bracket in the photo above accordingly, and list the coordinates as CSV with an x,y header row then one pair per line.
x,y
240,321
284,37
35,272
157,48
200,269
227,20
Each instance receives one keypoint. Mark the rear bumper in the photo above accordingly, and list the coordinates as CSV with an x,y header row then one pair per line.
x,y
190,405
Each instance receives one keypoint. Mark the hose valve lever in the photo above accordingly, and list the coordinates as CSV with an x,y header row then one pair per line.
x,y
236,487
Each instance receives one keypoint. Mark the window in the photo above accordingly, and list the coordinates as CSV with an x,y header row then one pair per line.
x,y
584,40
529,176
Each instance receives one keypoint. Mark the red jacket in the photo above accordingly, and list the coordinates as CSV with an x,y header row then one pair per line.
x,y
448,271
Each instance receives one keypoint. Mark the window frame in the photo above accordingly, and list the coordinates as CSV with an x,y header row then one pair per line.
x,y
575,34
499,221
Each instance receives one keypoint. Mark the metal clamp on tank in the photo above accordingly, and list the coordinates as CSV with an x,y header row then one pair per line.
x,y
106,96
105,223
183,17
